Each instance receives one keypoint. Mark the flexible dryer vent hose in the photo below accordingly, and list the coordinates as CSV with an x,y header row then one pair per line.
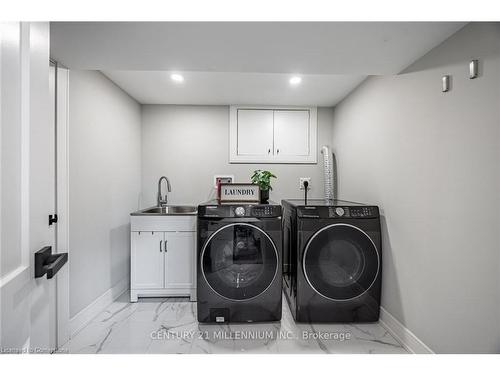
x,y
329,171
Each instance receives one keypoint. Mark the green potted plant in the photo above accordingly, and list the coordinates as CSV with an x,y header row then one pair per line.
x,y
263,179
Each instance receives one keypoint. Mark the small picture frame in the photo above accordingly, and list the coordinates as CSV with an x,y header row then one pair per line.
x,y
237,192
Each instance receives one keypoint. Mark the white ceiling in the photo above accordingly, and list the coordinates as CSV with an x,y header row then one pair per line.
x,y
248,63
156,87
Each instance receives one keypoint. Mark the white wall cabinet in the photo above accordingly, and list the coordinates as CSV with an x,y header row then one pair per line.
x,y
162,257
255,133
291,133
273,135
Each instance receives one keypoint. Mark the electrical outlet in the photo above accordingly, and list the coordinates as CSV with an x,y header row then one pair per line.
x,y
301,182
227,179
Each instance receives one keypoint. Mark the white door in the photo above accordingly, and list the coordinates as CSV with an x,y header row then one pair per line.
x,y
147,260
255,133
291,133
179,260
28,305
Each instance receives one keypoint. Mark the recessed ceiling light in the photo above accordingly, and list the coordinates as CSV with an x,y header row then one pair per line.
x,y
295,80
176,77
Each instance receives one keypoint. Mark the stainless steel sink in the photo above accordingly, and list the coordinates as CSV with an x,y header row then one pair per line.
x,y
168,210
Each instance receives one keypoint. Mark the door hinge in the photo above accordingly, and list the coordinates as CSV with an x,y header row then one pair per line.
x,y
52,219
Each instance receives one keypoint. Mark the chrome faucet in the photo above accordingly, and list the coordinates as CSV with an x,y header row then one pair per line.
x,y
162,201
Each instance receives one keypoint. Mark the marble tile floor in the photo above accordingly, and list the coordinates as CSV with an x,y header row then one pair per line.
x,y
169,325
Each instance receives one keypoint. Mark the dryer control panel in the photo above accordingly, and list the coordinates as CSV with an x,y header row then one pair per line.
x,y
325,212
368,211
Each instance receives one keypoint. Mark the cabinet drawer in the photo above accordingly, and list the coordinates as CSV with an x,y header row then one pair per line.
x,y
163,223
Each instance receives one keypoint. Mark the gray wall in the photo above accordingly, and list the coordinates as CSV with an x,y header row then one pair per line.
x,y
104,184
189,144
431,161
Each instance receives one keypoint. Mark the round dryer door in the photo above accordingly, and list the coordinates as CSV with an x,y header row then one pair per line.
x,y
341,262
239,261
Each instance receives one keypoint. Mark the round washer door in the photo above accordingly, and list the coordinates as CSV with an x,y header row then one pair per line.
x,y
239,261
341,262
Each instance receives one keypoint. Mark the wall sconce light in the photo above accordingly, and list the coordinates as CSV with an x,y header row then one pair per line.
x,y
473,69
445,82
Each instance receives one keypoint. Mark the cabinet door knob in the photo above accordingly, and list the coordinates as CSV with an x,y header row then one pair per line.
x,y
160,245
278,151
165,246
269,151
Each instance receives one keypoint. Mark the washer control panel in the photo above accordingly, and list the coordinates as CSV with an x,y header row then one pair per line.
x,y
265,211
241,210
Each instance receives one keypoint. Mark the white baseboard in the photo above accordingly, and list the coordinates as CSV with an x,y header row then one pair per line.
x,y
84,317
406,337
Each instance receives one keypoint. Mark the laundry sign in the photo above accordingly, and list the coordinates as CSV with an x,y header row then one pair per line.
x,y
239,193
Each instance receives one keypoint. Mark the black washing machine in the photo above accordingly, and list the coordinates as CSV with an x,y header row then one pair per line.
x,y
332,260
239,263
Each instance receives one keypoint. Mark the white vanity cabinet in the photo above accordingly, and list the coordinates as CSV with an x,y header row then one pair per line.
x,y
163,256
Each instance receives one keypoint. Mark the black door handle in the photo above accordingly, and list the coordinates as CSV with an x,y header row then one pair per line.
x,y
48,263
52,219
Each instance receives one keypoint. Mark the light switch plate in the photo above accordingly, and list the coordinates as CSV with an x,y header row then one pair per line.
x,y
301,182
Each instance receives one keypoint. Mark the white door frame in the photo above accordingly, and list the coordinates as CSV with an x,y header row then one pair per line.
x,y
62,198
